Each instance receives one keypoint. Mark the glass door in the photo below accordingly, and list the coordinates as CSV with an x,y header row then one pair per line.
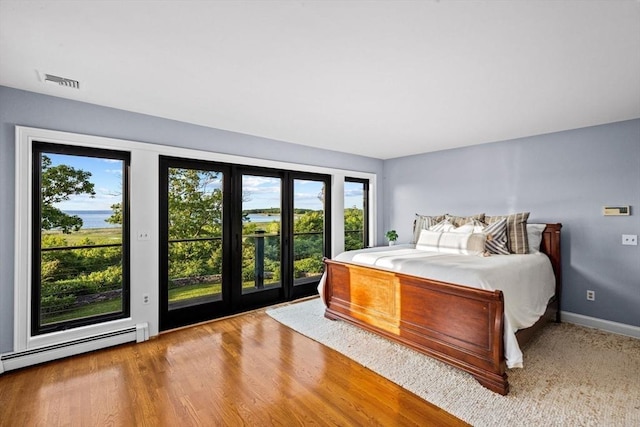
x,y
234,238
194,242
311,207
261,237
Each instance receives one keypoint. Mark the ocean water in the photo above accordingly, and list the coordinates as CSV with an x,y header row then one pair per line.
x,y
263,218
94,219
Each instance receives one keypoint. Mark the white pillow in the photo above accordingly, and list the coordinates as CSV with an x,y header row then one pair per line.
x,y
534,235
452,243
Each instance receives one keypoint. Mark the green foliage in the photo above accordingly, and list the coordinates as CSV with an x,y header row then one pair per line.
x,y
195,211
306,246
392,235
353,228
53,241
58,183
308,267
116,216
192,259
311,221
195,203
105,280
54,304
69,273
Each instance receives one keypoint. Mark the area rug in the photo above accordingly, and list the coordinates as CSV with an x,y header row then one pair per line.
x,y
573,376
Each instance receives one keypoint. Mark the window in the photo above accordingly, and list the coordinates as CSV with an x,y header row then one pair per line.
x,y
311,227
80,266
356,218
133,296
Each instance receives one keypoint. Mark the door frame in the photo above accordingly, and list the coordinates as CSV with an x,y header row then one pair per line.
x,y
170,319
233,300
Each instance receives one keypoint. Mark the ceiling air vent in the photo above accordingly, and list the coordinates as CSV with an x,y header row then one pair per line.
x,y
61,81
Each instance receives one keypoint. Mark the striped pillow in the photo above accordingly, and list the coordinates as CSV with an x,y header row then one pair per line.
x,y
496,235
497,243
517,240
423,222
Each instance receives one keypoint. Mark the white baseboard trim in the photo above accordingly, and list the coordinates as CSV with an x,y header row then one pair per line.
x,y
605,325
21,359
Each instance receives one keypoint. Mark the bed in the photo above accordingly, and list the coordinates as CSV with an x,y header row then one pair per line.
x,y
463,326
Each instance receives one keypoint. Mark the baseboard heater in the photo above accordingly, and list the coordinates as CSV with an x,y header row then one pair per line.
x,y
21,359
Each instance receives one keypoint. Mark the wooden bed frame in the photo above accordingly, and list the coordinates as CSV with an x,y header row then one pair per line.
x,y
456,324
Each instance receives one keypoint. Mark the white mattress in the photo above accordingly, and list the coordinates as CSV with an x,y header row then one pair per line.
x,y
526,281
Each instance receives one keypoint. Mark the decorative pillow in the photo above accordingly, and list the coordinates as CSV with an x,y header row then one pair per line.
x,y
498,242
496,235
451,243
462,220
423,222
471,227
534,234
517,240
444,225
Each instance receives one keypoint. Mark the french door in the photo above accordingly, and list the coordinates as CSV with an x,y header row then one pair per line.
x,y
233,238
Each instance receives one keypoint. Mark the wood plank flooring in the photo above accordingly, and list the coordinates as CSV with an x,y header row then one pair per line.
x,y
246,370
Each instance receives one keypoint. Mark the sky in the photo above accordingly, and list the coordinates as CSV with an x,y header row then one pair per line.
x,y
259,191
264,192
106,175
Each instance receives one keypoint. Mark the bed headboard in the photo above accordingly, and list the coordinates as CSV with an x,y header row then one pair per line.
x,y
550,245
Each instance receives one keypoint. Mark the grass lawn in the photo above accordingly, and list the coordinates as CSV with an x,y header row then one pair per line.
x,y
98,235
88,310
194,291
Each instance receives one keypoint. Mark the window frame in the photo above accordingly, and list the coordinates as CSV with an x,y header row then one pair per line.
x,y
39,148
144,222
302,288
365,208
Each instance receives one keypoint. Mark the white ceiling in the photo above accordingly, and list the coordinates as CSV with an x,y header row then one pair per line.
x,y
378,78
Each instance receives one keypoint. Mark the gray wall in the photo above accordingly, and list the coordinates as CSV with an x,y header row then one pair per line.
x,y
34,110
564,177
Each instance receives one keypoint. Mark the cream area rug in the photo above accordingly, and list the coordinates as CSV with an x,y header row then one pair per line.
x,y
572,376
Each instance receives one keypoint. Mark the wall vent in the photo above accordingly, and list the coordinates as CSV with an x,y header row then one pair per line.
x,y
62,81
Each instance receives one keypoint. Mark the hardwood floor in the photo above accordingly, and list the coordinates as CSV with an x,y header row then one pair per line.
x,y
245,370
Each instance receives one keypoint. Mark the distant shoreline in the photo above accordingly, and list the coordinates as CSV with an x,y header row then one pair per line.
x,y
90,211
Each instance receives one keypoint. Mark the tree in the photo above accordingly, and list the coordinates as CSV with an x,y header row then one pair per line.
x,y
116,216
309,222
58,184
354,228
195,204
195,211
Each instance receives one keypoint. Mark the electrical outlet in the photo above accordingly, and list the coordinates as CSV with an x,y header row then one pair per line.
x,y
591,295
630,239
145,298
143,235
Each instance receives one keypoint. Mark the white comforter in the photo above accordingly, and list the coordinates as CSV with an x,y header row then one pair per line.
x,y
526,281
